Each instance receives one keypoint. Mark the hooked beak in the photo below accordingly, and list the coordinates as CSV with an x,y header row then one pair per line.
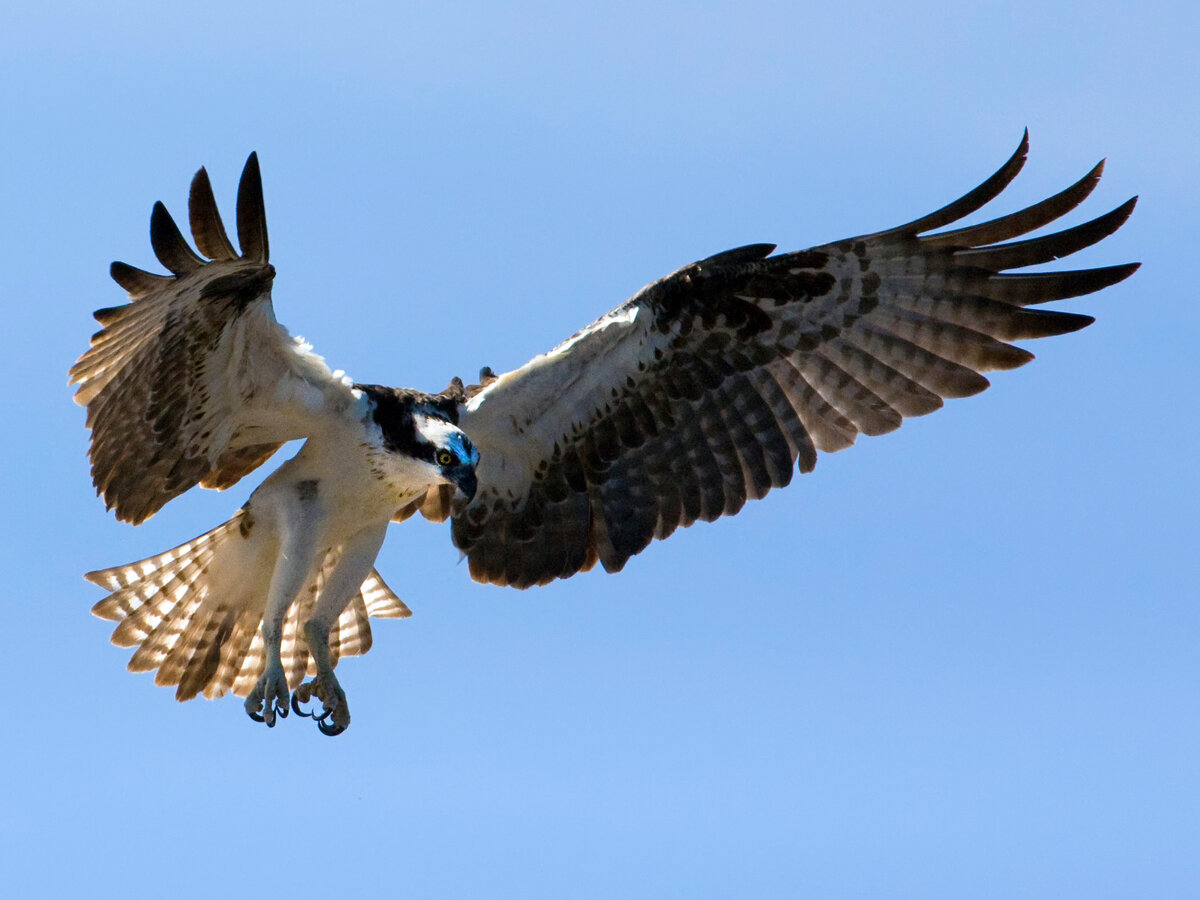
x,y
466,483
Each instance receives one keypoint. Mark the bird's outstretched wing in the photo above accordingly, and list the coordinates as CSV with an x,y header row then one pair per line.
x,y
708,386
193,381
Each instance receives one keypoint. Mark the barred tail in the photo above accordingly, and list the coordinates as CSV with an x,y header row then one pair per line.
x,y
194,613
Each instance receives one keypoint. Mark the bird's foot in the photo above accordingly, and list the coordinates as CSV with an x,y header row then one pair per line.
x,y
334,717
269,697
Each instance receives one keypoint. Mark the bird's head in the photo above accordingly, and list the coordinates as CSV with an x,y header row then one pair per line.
x,y
448,449
421,439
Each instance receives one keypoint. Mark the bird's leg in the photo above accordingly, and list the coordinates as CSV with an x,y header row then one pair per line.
x,y
348,574
334,717
269,696
297,556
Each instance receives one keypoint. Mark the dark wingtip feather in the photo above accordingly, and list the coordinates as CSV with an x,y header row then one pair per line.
x,y
1088,182
1110,275
251,213
205,220
168,243
109,314
1114,219
1129,268
1021,222
1043,287
1048,247
972,200
137,282
1068,322
1040,323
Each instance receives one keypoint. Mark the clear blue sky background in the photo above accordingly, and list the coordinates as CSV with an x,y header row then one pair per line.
x,y
961,660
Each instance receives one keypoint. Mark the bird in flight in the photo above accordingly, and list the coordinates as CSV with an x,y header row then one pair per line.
x,y
706,389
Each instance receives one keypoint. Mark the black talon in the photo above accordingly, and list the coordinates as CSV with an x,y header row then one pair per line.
x,y
325,714
296,707
281,709
257,717
331,730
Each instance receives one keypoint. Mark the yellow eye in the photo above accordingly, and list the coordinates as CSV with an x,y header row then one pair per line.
x,y
444,457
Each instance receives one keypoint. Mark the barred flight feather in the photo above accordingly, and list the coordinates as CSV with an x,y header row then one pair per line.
x,y
194,612
740,367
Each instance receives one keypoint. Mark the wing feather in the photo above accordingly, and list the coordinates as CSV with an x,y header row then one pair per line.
x,y
711,385
251,214
194,381
1035,251
971,201
1021,222
169,245
205,220
137,282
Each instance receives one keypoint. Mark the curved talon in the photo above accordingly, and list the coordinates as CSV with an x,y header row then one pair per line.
x,y
325,714
281,709
256,716
296,707
330,729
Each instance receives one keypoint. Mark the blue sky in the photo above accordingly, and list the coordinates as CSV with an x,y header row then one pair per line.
x,y
957,660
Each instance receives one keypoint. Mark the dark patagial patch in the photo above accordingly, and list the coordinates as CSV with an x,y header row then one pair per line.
x,y
725,291
240,288
307,490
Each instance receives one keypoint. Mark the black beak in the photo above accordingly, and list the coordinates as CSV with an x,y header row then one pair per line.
x,y
464,479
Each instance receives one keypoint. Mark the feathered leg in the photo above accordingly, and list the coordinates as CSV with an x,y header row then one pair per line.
x,y
353,565
298,513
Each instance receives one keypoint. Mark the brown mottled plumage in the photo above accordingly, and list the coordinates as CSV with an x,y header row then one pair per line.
x,y
709,386
159,424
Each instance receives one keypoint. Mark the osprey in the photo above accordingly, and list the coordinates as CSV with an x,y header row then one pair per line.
x,y
706,389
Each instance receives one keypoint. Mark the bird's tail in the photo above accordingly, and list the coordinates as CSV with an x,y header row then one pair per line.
x,y
194,613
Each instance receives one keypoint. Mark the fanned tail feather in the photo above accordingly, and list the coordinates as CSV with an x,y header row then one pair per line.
x,y
194,613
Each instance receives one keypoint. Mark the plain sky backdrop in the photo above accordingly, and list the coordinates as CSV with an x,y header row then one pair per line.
x,y
960,660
